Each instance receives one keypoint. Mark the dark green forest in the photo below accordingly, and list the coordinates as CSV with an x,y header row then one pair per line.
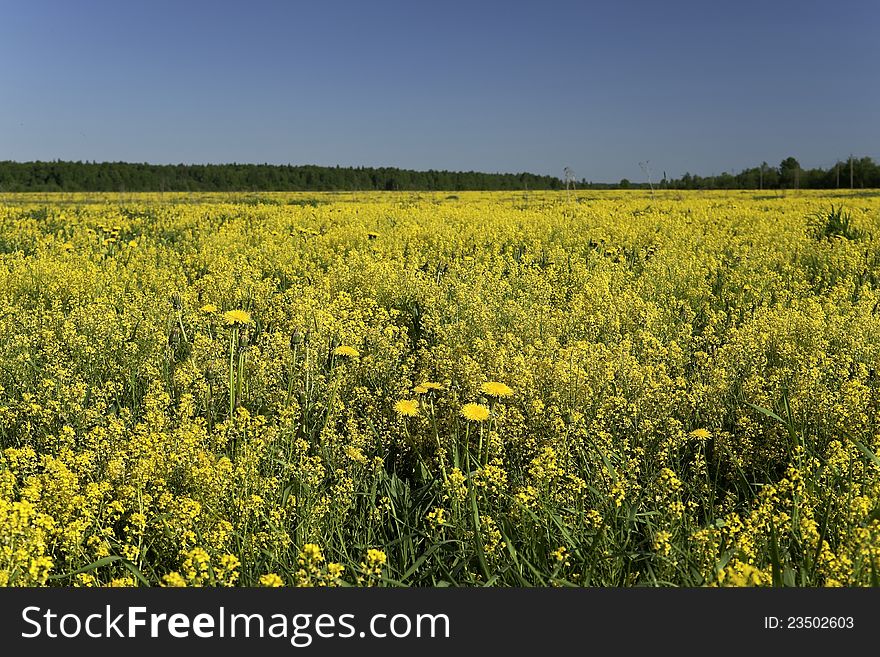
x,y
60,176
858,173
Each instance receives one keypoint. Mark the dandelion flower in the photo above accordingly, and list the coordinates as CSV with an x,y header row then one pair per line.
x,y
427,386
475,412
346,352
242,317
496,389
701,434
407,407
209,308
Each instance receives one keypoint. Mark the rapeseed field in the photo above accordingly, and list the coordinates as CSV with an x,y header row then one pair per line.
x,y
389,389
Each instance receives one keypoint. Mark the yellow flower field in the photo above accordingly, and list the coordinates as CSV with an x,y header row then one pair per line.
x,y
586,388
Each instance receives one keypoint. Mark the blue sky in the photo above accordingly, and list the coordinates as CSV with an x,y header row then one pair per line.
x,y
493,86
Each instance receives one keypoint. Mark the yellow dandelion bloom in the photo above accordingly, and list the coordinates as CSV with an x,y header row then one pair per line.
x,y
475,412
496,389
420,390
701,434
407,407
209,308
242,317
346,352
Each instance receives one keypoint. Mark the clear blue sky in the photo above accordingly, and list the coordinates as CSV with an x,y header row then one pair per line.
x,y
493,86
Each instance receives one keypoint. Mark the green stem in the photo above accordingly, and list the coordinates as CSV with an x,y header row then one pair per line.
x,y
210,408
233,343
330,402
467,451
180,323
478,534
239,378
440,454
290,377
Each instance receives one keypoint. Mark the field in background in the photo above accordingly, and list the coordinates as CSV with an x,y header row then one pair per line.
x,y
608,389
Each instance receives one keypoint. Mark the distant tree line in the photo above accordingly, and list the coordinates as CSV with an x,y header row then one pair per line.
x,y
58,176
857,173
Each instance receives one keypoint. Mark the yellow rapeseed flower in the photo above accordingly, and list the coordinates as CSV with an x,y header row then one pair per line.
x,y
242,317
271,580
437,516
173,579
496,389
560,554
475,412
311,552
376,557
346,352
209,308
407,407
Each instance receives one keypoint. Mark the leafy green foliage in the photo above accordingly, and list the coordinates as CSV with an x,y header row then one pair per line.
x,y
834,223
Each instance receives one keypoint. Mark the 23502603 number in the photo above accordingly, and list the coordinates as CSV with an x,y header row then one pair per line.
x,y
820,622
